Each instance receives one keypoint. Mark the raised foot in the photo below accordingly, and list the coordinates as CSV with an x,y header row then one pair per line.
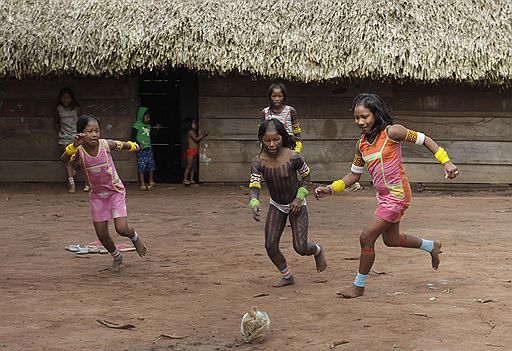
x,y
321,261
351,292
284,282
140,247
435,254
116,265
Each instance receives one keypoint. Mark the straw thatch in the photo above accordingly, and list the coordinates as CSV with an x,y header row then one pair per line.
x,y
423,40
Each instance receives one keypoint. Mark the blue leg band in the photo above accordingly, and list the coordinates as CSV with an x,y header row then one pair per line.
x,y
427,245
360,280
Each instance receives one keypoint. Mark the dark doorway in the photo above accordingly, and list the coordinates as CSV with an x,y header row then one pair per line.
x,y
171,97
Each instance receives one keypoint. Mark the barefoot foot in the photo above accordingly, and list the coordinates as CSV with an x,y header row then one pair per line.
x,y
351,292
284,282
116,265
435,254
140,247
321,261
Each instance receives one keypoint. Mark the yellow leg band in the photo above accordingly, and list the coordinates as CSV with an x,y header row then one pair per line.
x,y
441,156
338,186
71,149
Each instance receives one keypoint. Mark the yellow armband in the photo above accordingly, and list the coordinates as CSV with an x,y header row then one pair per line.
x,y
71,149
133,146
338,186
442,156
298,146
296,129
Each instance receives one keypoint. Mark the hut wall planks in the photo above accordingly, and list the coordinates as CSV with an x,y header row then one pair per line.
x,y
474,124
28,140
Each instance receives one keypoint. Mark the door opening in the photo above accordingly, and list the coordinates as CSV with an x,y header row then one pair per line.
x,y
171,97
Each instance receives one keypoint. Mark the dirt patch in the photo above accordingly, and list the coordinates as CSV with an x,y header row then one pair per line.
x,y
207,262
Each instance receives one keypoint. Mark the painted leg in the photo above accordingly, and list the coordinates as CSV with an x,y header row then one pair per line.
x,y
274,226
299,224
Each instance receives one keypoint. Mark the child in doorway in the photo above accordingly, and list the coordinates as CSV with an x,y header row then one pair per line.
x,y
107,194
141,134
192,152
287,115
278,165
66,115
379,148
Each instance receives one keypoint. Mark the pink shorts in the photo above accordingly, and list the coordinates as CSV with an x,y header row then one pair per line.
x,y
391,213
107,205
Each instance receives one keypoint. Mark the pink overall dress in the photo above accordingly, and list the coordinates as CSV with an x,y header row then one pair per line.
x,y
107,194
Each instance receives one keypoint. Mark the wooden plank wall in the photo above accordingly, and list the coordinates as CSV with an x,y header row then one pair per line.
x,y
28,141
473,124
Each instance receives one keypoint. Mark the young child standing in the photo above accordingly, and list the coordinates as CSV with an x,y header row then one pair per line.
x,y
287,115
66,116
379,148
192,152
141,134
278,165
107,194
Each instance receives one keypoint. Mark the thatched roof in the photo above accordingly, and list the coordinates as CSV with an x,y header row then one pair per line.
x,y
458,40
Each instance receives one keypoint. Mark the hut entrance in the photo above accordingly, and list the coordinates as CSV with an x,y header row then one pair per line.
x,y
171,97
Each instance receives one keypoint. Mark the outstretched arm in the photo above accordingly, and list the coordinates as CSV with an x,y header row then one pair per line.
x,y
398,132
121,145
254,188
352,177
197,139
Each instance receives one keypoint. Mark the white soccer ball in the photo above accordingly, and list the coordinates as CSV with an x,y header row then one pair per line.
x,y
255,326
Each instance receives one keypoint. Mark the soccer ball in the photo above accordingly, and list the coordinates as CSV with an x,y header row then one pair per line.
x,y
255,326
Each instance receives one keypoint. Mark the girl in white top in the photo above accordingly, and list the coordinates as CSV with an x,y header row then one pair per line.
x,y
66,116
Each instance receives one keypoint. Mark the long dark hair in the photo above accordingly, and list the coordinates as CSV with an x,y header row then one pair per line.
x,y
288,140
379,109
187,125
280,86
83,121
74,104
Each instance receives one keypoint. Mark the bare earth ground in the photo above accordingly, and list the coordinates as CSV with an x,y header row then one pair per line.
x,y
207,260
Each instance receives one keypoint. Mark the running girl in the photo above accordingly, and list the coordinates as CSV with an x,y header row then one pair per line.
x,y
278,165
379,148
285,114
107,194
66,115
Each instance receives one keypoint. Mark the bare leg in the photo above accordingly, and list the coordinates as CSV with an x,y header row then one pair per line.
x,y
274,226
71,176
122,228
151,180
299,224
142,184
367,240
186,176
105,239
392,237
193,170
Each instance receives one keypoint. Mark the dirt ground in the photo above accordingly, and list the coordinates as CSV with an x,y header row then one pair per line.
x,y
207,261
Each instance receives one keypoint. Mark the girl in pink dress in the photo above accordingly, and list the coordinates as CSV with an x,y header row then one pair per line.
x,y
379,148
107,192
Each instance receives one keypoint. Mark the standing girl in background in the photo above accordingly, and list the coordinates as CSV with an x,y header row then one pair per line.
x,y
192,153
66,116
287,115
141,134
107,194
379,148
